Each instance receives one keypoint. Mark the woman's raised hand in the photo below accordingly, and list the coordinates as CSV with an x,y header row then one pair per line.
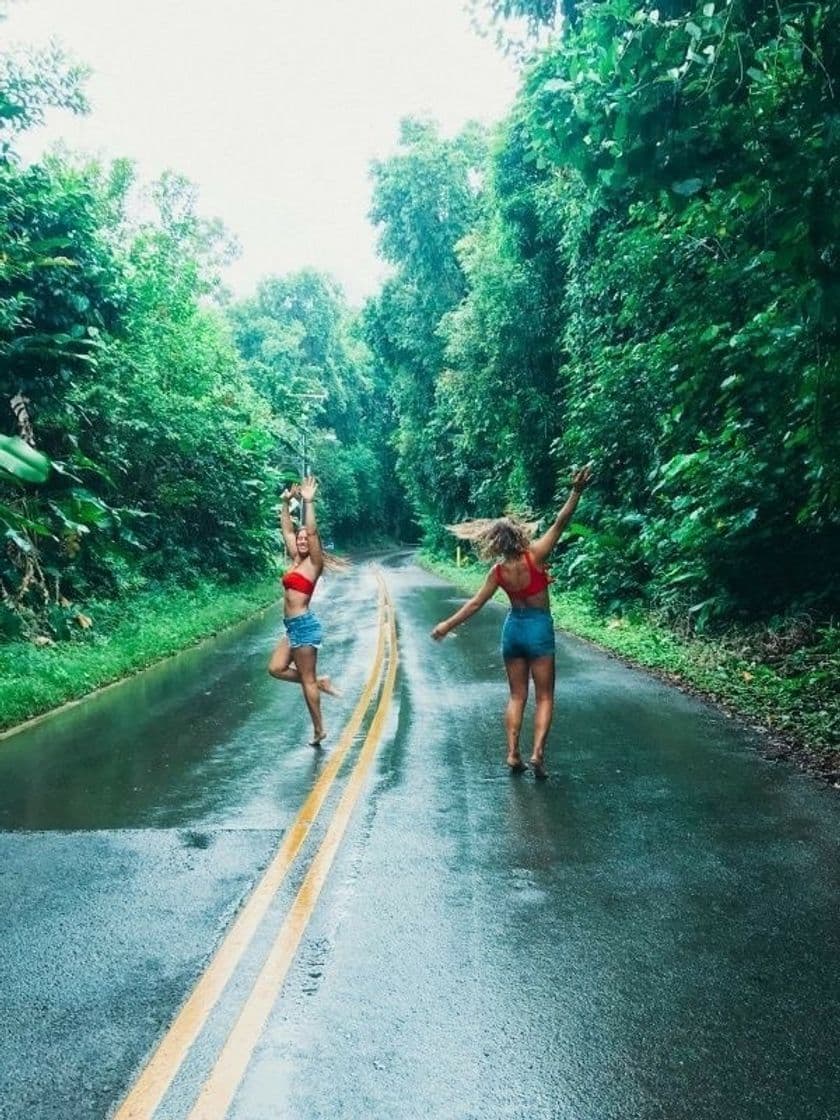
x,y
308,487
582,478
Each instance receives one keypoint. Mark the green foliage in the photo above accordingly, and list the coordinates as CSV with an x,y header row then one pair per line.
x,y
425,199
168,416
499,386
650,278
116,366
642,266
20,461
32,82
520,26
690,148
130,635
304,353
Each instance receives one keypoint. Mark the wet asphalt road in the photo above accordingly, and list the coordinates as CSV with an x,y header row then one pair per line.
x,y
651,935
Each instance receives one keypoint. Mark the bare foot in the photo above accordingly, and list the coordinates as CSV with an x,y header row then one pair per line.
x,y
327,686
540,772
515,764
318,739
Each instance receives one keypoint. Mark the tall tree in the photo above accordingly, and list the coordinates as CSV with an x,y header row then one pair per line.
x,y
304,352
425,199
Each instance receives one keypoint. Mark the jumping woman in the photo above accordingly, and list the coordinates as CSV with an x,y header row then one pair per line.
x,y
295,658
528,631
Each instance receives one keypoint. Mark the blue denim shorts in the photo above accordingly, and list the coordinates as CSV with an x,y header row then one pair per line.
x,y
304,630
528,632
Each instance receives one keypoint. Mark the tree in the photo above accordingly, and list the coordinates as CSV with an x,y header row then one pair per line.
x,y
425,199
303,351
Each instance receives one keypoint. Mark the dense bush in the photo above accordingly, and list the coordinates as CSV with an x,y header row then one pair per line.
x,y
649,277
171,417
640,266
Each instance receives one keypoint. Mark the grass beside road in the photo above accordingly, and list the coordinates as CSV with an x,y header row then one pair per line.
x,y
782,683
127,635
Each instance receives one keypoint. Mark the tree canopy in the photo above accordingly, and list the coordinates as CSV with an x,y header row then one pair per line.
x,y
640,265
169,414
648,276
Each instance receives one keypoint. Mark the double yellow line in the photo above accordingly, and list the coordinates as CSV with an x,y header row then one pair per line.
x,y
223,1081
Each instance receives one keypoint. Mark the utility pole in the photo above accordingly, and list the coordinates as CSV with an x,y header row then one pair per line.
x,y
301,426
304,468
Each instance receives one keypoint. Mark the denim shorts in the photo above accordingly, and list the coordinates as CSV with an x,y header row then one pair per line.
x,y
304,630
528,632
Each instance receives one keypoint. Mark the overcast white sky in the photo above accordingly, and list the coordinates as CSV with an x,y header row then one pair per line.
x,y
273,107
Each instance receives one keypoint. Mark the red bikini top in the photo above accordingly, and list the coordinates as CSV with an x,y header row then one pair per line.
x,y
296,581
539,581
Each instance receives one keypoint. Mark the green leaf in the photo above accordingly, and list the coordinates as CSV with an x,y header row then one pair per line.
x,y
687,187
23,544
23,462
557,85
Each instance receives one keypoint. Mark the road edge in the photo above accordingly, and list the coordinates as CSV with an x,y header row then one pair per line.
x,y
770,742
131,673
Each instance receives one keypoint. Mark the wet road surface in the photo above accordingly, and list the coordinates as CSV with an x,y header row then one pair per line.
x,y
651,934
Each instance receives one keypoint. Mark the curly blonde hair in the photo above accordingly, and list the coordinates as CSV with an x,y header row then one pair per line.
x,y
496,537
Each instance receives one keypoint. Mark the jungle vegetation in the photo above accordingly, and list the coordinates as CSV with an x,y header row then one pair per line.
x,y
639,266
170,414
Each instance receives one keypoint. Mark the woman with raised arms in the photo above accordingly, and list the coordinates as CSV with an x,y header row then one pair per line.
x,y
528,630
296,656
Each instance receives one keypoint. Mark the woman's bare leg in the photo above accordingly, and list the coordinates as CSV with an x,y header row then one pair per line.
x,y
306,659
517,672
542,670
281,668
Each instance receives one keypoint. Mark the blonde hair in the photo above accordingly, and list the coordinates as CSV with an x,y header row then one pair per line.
x,y
331,562
496,537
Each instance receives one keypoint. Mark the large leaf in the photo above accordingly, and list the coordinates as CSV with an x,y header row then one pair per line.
x,y
23,462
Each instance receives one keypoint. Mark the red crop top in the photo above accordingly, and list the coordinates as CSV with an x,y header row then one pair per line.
x,y
296,581
539,581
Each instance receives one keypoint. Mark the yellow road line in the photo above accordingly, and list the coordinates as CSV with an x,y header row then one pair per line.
x,y
221,1086
153,1082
